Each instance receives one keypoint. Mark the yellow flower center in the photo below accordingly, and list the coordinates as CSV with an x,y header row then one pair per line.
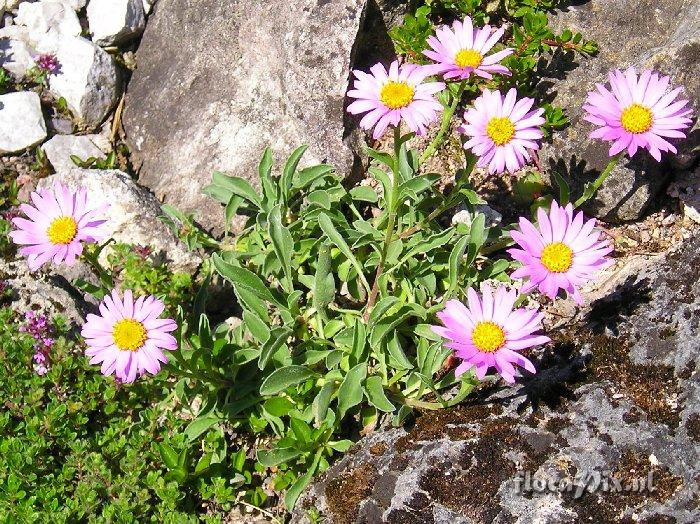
x,y
129,334
488,336
557,257
468,58
62,230
637,119
396,95
500,129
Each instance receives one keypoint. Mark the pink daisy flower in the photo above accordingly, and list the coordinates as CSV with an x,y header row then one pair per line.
x,y
391,96
128,337
502,130
462,51
490,333
639,112
58,223
563,252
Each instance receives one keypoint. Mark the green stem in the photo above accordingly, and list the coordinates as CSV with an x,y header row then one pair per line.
x,y
391,221
449,203
592,188
445,124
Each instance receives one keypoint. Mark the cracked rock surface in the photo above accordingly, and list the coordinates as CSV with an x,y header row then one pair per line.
x,y
617,396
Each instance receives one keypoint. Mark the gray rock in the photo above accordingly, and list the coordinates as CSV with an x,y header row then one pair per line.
x,y
664,36
88,79
617,395
21,121
60,148
274,74
114,22
43,291
133,212
47,22
16,57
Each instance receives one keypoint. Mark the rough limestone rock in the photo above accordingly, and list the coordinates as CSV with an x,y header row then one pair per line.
x,y
133,212
44,291
60,148
617,396
21,122
88,79
114,22
16,57
274,74
47,22
664,36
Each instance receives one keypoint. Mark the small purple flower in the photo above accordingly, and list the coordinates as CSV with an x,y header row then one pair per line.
x,y
47,63
39,328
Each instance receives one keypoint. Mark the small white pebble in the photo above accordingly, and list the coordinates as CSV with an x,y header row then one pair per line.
x,y
653,460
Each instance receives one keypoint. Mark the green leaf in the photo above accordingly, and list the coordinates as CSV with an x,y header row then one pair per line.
x,y
364,194
390,323
278,406
382,158
319,406
282,243
265,174
282,378
241,277
168,455
290,499
278,336
236,186
324,283
334,236
454,262
375,394
259,329
301,430
290,168
397,357
201,425
307,176
276,456
380,308
341,445
350,391
564,190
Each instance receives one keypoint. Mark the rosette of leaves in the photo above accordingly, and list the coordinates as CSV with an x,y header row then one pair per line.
x,y
337,287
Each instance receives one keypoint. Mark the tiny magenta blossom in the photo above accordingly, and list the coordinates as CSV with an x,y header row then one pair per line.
x,y
502,130
562,252
462,51
47,63
640,112
490,333
58,223
394,95
128,337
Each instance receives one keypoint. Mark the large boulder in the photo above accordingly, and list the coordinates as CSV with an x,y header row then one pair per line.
x,y
647,34
87,78
114,22
217,82
21,121
617,397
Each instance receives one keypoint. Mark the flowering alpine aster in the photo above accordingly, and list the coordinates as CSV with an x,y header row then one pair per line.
x,y
128,337
639,112
47,63
391,96
59,222
490,333
563,252
461,51
502,130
